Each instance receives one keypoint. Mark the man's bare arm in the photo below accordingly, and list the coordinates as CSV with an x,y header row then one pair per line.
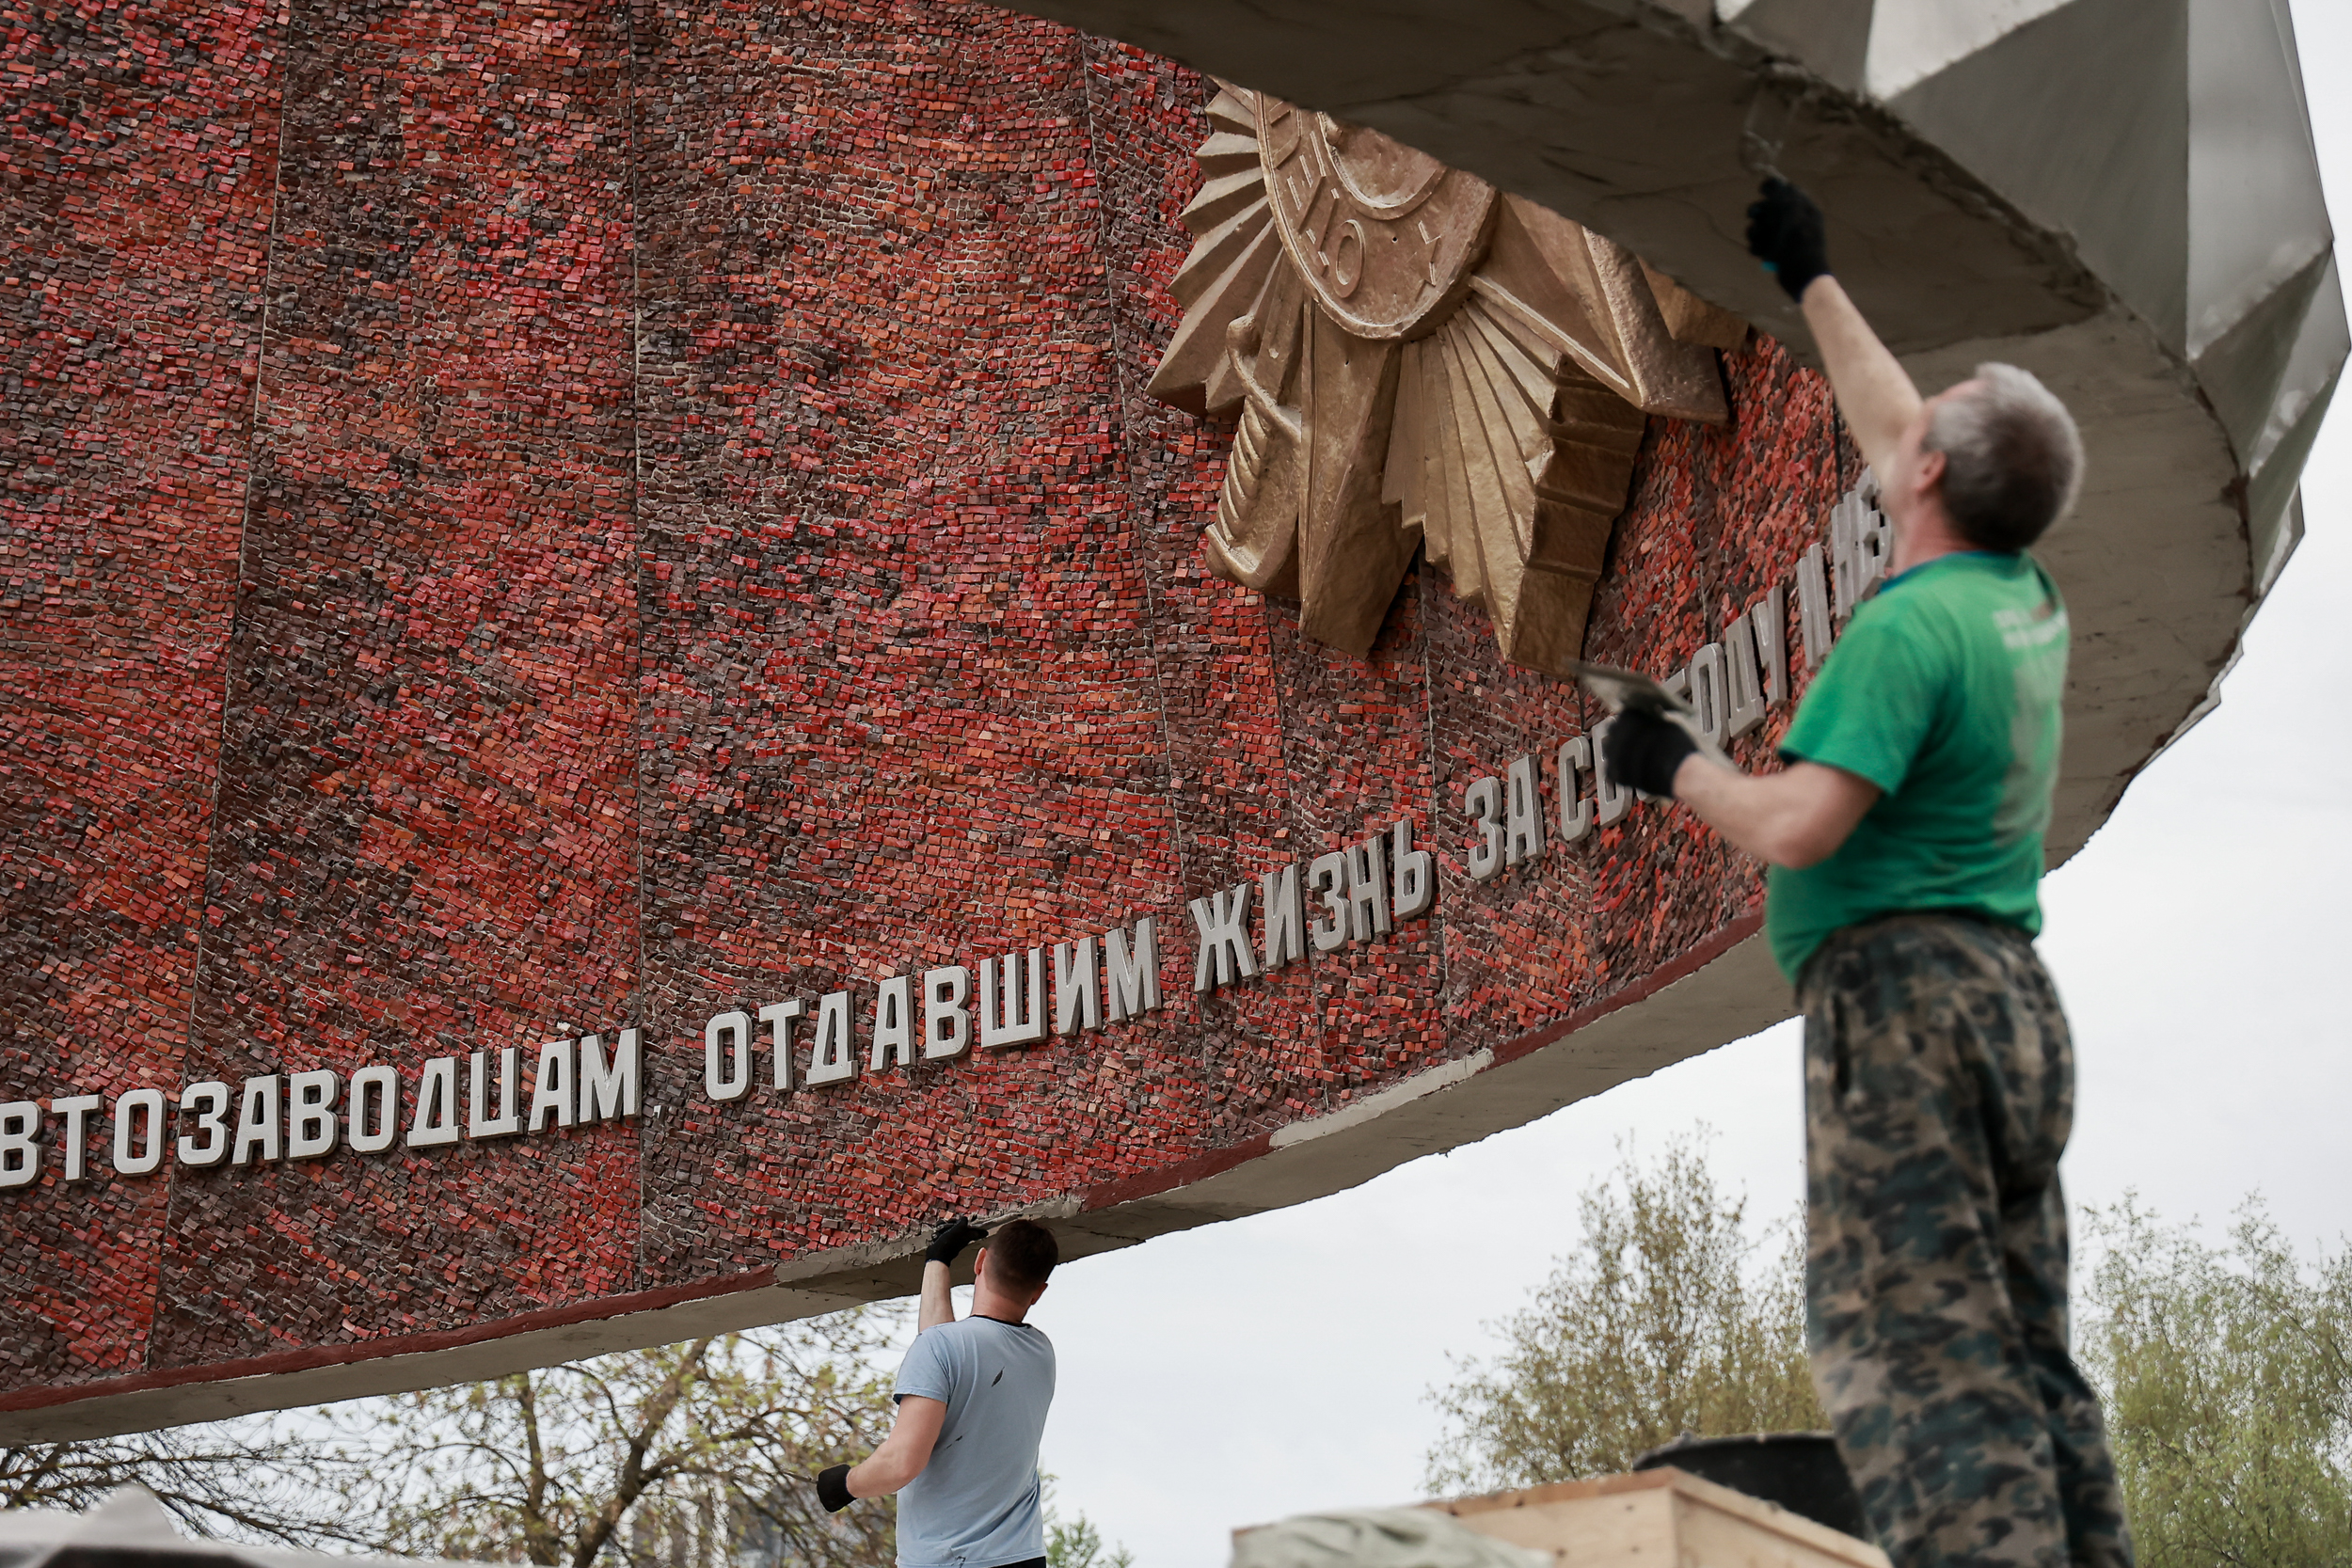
x,y
1797,817
948,1242
906,1449
1786,231
1874,392
937,1305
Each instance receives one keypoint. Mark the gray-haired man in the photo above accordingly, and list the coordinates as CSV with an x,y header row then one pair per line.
x,y
1905,843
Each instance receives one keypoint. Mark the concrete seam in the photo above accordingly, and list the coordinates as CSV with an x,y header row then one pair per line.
x,y
1145,515
1421,571
637,556
228,644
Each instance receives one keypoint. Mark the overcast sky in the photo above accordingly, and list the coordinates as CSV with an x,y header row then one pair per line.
x,y
1264,1366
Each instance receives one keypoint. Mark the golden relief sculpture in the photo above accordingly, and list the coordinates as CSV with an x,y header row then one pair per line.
x,y
1416,359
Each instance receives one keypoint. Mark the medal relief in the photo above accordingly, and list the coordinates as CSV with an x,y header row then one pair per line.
x,y
1416,359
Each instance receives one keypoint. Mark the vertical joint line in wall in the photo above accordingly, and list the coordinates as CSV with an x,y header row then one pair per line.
x,y
1429,719
637,566
252,489
236,590
1295,811
1146,538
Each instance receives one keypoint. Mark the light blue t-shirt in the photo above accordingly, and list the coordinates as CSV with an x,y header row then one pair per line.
x,y
978,1503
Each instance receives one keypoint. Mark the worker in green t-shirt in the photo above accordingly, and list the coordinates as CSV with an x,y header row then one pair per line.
x,y
1905,848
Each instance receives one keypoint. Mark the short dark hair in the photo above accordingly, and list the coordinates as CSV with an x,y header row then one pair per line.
x,y
1022,1255
2013,458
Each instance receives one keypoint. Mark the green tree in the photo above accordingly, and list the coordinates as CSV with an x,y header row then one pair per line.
x,y
2228,1377
1077,1542
693,1455
1665,1320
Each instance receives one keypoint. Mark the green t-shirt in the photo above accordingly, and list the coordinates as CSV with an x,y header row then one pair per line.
x,y
1945,691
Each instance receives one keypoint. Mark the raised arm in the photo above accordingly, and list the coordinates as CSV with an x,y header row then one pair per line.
x,y
916,1428
1799,816
937,1303
1874,393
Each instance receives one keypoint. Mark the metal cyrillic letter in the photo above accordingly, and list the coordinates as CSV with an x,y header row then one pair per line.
x,y
1367,889
727,1056
1523,813
310,1121
893,1044
1770,621
1707,691
509,1121
1220,925
1860,539
1744,679
1077,996
779,1016
551,1091
257,1122
19,1142
832,1054
1483,803
1327,879
1415,873
1576,808
130,1159
1813,617
1612,800
75,1109
385,1082
435,1121
1283,915
1011,1012
946,1022
608,1091
1132,980
211,1120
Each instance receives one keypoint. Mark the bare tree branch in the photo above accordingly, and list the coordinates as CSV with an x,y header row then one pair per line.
x,y
693,1455
253,1480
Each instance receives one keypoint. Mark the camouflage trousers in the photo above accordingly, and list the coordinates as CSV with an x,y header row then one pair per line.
x,y
1939,1092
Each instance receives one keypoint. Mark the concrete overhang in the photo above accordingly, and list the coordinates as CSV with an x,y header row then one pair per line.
x,y
2120,196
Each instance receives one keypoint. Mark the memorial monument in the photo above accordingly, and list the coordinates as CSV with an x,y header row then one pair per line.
x,y
649,647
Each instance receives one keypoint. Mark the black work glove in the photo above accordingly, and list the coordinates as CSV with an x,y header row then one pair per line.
x,y
949,1241
1786,230
1642,752
832,1488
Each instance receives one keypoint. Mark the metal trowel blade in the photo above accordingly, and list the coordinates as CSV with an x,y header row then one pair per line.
x,y
1619,690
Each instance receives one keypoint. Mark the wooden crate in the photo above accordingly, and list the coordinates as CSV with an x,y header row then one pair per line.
x,y
1661,1518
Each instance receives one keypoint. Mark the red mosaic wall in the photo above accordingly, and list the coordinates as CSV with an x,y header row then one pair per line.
x,y
406,657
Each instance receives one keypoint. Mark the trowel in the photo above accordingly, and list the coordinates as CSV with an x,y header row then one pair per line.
x,y
1619,690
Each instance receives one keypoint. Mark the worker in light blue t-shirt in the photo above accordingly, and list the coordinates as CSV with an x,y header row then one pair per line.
x,y
972,1401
